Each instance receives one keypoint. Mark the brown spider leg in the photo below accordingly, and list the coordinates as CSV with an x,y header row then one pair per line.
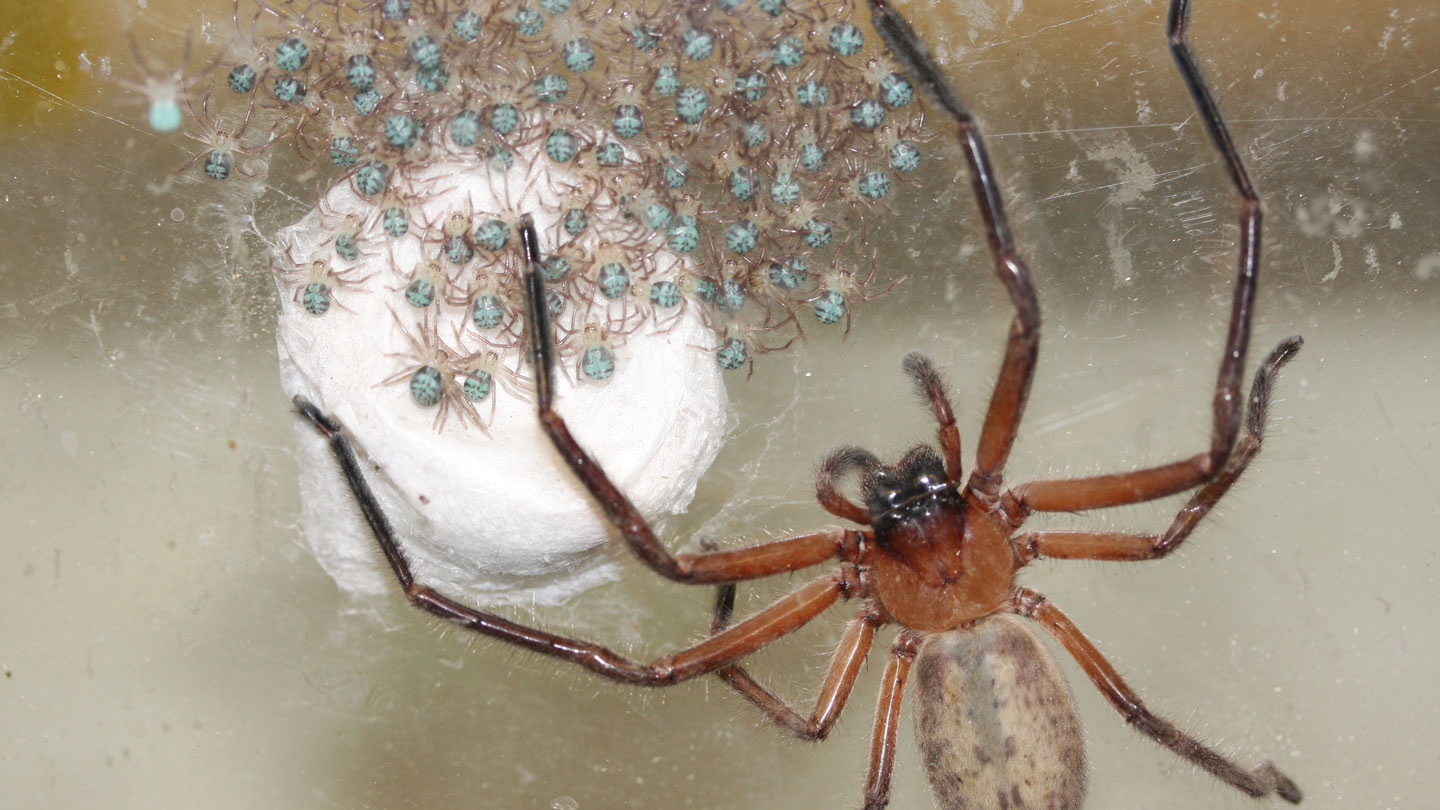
x,y
1007,402
1120,546
783,617
835,690
835,465
1262,781
1157,482
887,719
932,389
790,554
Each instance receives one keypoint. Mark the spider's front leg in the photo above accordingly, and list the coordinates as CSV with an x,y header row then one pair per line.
x,y
780,556
786,615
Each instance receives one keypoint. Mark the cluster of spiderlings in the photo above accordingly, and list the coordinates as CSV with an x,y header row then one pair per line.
x,y
753,138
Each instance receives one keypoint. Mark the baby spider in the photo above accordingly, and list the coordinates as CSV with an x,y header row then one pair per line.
x,y
166,91
222,145
430,373
317,291
840,287
929,550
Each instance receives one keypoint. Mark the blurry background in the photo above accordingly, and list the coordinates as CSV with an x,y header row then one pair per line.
x,y
166,638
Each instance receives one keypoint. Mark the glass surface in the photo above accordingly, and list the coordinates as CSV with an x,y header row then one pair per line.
x,y
167,640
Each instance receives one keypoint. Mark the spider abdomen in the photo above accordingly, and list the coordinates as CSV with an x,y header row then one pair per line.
x,y
996,721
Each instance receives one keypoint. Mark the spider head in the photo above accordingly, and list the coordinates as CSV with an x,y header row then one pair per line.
x,y
913,489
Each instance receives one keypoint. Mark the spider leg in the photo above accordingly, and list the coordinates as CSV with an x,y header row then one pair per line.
x,y
1121,546
1007,402
789,554
834,466
887,719
1157,482
932,389
781,618
1262,781
835,691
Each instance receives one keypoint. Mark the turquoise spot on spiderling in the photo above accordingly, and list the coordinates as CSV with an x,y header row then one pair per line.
x,y
401,131
742,183
504,118
741,236
316,298
684,236
551,88
562,146
697,44
556,6
812,94
691,103
665,294
501,158
487,312
372,178
344,151
867,114
874,185
467,25
218,165
785,190
627,121
242,79
528,21
830,307
754,133
732,354
788,273
787,52
677,171
846,39
643,39
465,128
772,7
432,80
395,221
457,249
730,5
492,235
610,154
578,55
555,268
395,9
597,362
732,296
420,293
904,156
704,289
426,52
366,101
667,81
614,280
576,221
896,90
656,215
347,247
478,385
555,303
752,85
818,232
812,157
289,89
426,385
292,54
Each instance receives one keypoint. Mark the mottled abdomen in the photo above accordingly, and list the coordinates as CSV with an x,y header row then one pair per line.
x,y
996,720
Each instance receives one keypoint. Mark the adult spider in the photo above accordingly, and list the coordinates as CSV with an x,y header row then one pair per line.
x,y
937,556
